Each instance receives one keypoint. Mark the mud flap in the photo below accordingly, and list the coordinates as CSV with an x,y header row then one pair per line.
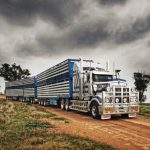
x,y
133,115
105,116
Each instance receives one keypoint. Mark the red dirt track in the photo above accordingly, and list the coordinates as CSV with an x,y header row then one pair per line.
x,y
124,134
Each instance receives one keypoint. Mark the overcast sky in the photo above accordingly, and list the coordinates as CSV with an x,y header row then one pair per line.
x,y
40,33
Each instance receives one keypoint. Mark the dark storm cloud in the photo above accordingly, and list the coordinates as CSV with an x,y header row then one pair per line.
x,y
86,36
136,31
25,12
27,50
112,2
90,35
83,36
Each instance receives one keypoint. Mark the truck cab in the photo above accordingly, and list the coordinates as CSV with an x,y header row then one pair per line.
x,y
103,93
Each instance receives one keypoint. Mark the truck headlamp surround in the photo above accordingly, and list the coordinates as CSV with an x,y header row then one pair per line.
x,y
133,99
117,100
106,100
108,89
125,100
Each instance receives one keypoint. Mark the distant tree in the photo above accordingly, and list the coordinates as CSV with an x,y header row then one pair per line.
x,y
142,81
13,72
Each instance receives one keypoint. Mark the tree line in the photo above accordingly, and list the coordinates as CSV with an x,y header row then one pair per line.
x,y
15,72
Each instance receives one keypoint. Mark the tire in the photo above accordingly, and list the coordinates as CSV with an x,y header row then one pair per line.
x,y
62,105
94,111
39,102
67,106
44,103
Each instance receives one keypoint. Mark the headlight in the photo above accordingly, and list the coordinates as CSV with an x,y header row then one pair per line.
x,y
117,100
108,89
125,100
107,100
133,99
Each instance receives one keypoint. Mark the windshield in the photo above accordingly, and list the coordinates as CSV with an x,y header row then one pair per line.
x,y
101,78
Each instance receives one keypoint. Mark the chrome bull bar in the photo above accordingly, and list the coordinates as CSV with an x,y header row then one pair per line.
x,y
120,101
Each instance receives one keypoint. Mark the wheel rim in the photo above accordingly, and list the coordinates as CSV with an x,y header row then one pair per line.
x,y
44,103
94,110
66,107
62,104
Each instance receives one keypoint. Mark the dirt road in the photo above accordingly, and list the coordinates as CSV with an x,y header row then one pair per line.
x,y
124,134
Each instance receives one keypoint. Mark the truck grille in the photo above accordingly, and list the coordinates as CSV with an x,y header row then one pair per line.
x,y
122,95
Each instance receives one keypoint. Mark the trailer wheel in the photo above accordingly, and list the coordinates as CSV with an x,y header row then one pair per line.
x,y
39,102
62,104
67,106
44,103
31,101
94,110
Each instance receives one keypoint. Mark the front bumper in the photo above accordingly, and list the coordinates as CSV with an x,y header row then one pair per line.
x,y
112,110
107,111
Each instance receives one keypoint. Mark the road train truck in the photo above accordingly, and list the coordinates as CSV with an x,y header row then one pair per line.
x,y
82,85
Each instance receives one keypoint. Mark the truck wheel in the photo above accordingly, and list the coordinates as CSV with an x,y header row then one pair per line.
x,y
67,106
31,101
94,111
62,104
39,102
44,103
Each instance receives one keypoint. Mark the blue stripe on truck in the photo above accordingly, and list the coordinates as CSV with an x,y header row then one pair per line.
x,y
71,64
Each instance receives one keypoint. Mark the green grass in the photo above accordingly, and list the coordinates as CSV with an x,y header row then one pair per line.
x,y
38,124
145,110
22,128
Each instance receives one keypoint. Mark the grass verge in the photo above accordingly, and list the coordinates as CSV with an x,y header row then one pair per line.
x,y
145,110
21,128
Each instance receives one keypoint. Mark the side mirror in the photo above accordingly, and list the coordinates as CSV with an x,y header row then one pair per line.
x,y
117,71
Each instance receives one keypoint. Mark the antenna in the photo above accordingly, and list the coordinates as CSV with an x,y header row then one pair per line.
x,y
107,65
113,68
